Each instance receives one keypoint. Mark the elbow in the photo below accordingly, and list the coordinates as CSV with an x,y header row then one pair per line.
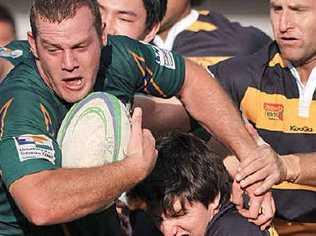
x,y
39,214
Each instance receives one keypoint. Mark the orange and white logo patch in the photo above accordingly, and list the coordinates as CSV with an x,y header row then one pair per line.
x,y
273,111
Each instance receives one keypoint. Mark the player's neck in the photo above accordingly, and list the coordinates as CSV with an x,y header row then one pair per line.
x,y
164,29
305,69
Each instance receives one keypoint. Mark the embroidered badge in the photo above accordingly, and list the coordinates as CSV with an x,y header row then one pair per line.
x,y
31,147
164,58
7,52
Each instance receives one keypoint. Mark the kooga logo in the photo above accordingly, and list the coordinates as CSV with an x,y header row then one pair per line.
x,y
301,129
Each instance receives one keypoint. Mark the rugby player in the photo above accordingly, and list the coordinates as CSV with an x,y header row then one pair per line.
x,y
188,191
275,89
68,60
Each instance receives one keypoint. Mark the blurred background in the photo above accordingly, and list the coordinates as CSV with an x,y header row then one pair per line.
x,y
247,12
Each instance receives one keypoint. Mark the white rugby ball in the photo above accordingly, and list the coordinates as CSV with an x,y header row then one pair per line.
x,y
94,132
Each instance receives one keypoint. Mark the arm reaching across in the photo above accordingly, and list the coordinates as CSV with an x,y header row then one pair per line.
x,y
298,168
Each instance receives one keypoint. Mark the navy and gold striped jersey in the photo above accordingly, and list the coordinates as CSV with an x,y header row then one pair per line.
x,y
283,111
207,37
228,222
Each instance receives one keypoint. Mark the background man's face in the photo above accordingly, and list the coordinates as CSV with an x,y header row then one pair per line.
x,y
6,33
124,17
294,28
69,54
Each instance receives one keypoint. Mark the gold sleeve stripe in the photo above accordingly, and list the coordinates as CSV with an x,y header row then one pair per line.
x,y
3,112
139,61
204,12
47,118
208,61
277,60
156,86
291,186
200,25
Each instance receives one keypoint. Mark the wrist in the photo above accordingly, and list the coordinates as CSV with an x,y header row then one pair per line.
x,y
292,167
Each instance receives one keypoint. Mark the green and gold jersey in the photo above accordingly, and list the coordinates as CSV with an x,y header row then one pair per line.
x,y
31,113
129,66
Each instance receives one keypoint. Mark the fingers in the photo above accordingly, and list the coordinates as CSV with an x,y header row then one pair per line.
x,y
137,122
261,174
266,185
237,195
268,209
254,210
136,136
149,141
264,158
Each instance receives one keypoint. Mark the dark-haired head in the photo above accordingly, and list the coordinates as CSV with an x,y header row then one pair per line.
x,y
186,170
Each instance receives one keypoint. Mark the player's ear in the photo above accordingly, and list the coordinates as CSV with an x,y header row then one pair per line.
x,y
32,43
150,35
104,34
213,207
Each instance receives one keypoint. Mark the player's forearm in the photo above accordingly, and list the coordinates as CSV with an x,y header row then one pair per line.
x,y
207,102
300,168
160,115
63,195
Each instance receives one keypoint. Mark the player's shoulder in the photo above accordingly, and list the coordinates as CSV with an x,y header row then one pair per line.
x,y
16,51
243,65
120,41
229,222
247,39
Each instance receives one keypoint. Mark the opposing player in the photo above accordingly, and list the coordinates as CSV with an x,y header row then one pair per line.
x,y
138,19
189,189
274,89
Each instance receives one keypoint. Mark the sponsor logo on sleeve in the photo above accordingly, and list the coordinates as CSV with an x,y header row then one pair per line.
x,y
164,58
274,111
32,147
7,52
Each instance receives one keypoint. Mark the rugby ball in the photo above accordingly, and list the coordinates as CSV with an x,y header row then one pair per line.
x,y
94,132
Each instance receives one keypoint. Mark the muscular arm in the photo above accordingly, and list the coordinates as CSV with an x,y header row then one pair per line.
x,y
162,115
5,67
207,102
62,195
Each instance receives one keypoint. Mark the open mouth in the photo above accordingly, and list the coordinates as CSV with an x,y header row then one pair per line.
x,y
74,83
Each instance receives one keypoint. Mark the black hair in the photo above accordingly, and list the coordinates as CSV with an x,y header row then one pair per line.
x,y
155,10
186,170
195,3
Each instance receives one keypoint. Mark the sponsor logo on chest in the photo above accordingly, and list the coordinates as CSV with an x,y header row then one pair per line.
x,y
273,111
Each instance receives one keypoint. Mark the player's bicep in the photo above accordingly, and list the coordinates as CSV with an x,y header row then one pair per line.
x,y
27,154
26,142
